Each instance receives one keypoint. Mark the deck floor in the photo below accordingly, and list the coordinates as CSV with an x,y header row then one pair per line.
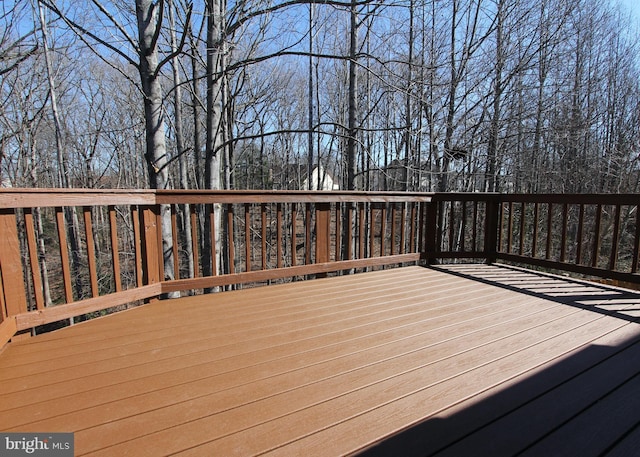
x,y
457,360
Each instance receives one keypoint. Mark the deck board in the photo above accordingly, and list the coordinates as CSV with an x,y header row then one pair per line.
x,y
427,360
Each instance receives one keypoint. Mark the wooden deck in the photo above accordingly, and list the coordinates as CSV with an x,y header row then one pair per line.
x,y
458,360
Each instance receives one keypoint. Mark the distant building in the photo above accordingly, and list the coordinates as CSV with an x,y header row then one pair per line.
x,y
320,180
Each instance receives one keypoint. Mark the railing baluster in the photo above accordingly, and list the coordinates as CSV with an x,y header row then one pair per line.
x,y
195,245
636,242
279,248
463,224
33,258
230,240
579,234
350,249
596,236
474,226
174,235
383,229
64,256
338,231
372,229
294,234
420,226
510,229
115,251
563,238
361,226
307,234
549,228
614,239
214,256
534,241
263,234
523,209
451,225
247,236
403,228
91,251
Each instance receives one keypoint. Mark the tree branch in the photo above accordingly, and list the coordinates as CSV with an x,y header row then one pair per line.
x,y
78,28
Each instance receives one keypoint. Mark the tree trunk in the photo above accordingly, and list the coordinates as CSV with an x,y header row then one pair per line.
x,y
156,150
215,123
181,150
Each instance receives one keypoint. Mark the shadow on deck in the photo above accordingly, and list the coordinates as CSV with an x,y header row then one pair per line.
x,y
582,404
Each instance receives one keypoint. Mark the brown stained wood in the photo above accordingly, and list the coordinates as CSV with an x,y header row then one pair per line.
x,y
403,228
212,221
613,258
279,236
362,224
294,234
412,232
91,251
8,328
463,224
230,238
151,255
323,367
549,231
247,237
636,242
534,237
350,220
157,227
33,258
383,230
137,241
263,235
523,209
3,304
115,251
452,222
78,308
323,232
563,236
579,234
474,227
510,229
338,232
175,247
64,254
595,252
373,217
307,234
288,272
195,245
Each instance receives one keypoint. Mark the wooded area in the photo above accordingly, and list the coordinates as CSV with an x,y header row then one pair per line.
x,y
420,95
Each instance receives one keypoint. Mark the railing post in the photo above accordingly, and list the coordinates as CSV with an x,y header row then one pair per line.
x,y
491,229
323,232
431,232
150,233
15,296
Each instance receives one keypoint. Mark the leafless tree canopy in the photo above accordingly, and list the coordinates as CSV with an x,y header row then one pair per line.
x,y
471,95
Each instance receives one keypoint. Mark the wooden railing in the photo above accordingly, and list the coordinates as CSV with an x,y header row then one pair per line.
x,y
72,254
102,249
591,235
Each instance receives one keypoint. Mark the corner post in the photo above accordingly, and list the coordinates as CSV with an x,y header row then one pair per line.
x,y
14,300
150,234
431,232
492,225
323,232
